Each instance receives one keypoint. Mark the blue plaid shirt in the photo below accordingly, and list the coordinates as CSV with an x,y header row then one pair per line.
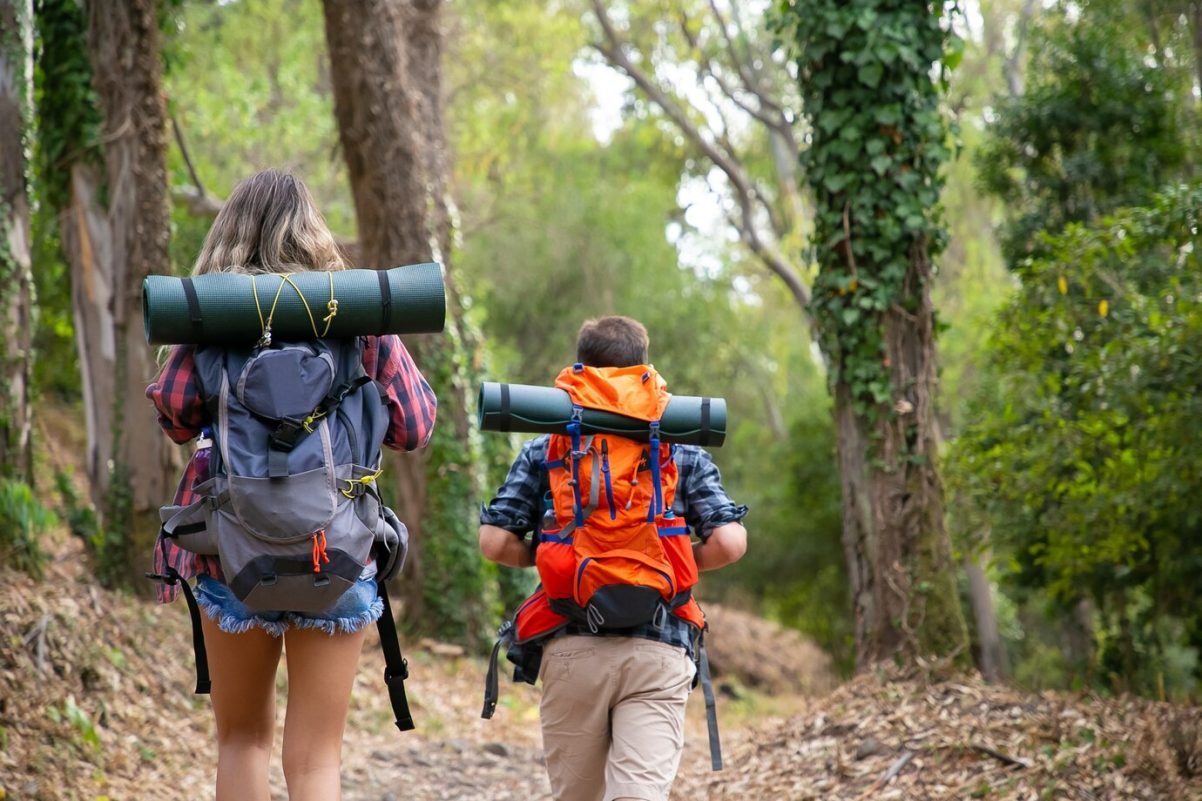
x,y
700,501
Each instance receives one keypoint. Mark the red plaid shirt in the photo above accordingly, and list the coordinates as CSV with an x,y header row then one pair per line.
x,y
182,414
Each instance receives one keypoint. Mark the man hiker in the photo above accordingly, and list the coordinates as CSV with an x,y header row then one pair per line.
x,y
614,616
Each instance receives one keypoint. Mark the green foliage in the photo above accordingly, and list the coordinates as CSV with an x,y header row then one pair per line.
x,y
86,736
457,598
104,547
249,85
877,143
22,520
794,570
1080,457
56,369
68,123
1097,128
68,117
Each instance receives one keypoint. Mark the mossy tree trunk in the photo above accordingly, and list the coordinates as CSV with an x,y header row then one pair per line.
x,y
16,299
385,66
869,76
115,229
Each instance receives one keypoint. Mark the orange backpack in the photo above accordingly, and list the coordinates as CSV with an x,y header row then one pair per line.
x,y
611,554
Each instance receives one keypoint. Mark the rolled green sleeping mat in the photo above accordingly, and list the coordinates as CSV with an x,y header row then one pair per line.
x,y
220,308
547,410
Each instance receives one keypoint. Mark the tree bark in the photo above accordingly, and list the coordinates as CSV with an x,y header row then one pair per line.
x,y
386,75
111,250
16,301
992,658
894,537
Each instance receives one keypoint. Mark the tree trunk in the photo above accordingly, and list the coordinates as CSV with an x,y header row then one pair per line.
x,y
16,301
894,539
876,227
1195,25
129,462
386,74
992,659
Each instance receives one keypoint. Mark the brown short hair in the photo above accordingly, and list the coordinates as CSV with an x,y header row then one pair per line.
x,y
612,342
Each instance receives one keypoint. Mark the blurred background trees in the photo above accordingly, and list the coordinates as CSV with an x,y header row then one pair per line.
x,y
571,159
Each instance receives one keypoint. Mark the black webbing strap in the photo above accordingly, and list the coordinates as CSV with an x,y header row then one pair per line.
x,y
711,709
277,463
385,301
491,690
193,306
704,437
396,669
289,431
203,685
504,410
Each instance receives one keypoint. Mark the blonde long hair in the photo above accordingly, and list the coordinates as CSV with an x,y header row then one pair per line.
x,y
269,224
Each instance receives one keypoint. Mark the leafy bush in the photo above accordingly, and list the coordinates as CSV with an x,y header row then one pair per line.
x,y
103,546
1082,455
22,519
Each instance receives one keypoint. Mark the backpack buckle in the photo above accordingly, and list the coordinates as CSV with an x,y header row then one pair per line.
x,y
390,678
284,437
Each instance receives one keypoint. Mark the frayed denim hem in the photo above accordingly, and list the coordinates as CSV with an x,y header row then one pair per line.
x,y
232,624
337,625
357,608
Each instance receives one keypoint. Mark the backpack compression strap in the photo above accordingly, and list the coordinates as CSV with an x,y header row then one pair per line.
x,y
289,431
396,668
203,684
711,710
491,692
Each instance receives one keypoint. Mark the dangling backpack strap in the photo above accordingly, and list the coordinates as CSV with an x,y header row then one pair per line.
x,y
396,668
711,709
491,690
203,684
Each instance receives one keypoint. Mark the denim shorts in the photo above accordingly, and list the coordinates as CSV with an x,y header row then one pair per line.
x,y
360,606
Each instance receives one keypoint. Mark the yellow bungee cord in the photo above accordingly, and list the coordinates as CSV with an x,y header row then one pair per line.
x,y
286,278
365,481
265,325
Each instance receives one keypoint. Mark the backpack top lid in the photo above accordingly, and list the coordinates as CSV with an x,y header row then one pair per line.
x,y
636,391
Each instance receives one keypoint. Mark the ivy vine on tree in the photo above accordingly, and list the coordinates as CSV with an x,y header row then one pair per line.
x,y
876,145
871,76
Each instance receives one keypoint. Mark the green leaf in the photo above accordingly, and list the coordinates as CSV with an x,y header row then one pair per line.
x,y
881,163
870,74
835,182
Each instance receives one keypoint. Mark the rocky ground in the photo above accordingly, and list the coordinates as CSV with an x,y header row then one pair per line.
x,y
96,703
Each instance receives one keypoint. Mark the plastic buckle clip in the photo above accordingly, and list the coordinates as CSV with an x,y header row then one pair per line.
x,y
284,437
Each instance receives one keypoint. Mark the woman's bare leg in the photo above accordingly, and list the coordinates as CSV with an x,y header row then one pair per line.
x,y
242,668
321,672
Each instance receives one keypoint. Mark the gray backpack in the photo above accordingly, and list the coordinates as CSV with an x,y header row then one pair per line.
x,y
290,506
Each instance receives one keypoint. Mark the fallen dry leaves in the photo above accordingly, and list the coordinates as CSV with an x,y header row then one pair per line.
x,y
889,735
96,703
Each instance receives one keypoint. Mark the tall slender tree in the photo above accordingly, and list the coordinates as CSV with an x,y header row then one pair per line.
x,y
386,73
871,91
101,113
16,300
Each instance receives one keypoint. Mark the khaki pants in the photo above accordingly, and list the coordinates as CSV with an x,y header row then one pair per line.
x,y
613,716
